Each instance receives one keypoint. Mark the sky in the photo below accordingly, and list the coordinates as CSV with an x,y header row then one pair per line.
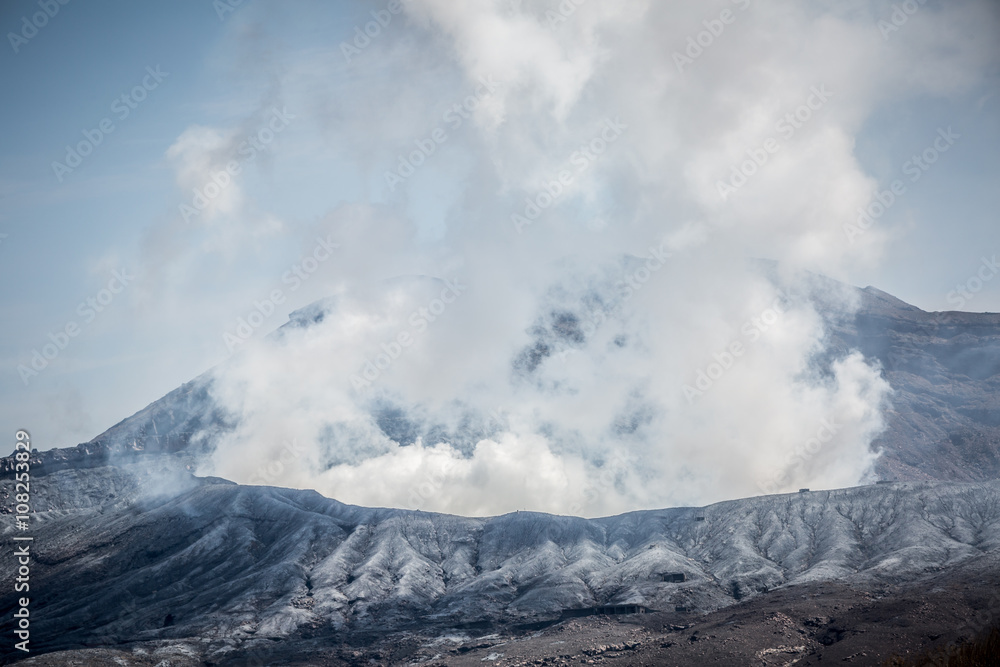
x,y
176,178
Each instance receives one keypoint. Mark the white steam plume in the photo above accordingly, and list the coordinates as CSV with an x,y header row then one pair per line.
x,y
611,348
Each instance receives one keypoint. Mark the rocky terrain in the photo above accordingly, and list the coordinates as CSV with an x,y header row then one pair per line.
x,y
139,562
944,368
146,558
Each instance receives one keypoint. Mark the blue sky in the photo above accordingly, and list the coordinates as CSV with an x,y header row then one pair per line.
x,y
119,210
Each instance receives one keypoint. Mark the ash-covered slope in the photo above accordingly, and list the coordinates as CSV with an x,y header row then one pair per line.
x,y
145,551
944,368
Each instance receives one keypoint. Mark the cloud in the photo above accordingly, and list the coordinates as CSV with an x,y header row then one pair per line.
x,y
570,374
411,395
200,154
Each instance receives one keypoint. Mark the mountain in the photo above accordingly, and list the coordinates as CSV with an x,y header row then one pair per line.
x,y
146,558
943,422
138,561
944,368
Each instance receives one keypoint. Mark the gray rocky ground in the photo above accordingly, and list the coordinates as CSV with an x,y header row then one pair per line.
x,y
145,557
138,562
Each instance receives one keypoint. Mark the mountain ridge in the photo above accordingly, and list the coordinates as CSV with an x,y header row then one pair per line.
x,y
155,554
943,367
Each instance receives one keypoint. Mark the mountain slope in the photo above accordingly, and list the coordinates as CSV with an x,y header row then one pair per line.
x,y
146,551
944,368
943,422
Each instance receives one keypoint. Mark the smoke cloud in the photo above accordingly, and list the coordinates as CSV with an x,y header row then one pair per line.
x,y
558,305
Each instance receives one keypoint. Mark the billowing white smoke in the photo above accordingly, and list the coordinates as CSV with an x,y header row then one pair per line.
x,y
600,397
604,343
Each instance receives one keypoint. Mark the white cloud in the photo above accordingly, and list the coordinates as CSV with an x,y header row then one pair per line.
x,y
685,132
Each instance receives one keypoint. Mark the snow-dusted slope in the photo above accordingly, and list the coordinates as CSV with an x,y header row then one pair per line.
x,y
114,561
944,369
943,423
